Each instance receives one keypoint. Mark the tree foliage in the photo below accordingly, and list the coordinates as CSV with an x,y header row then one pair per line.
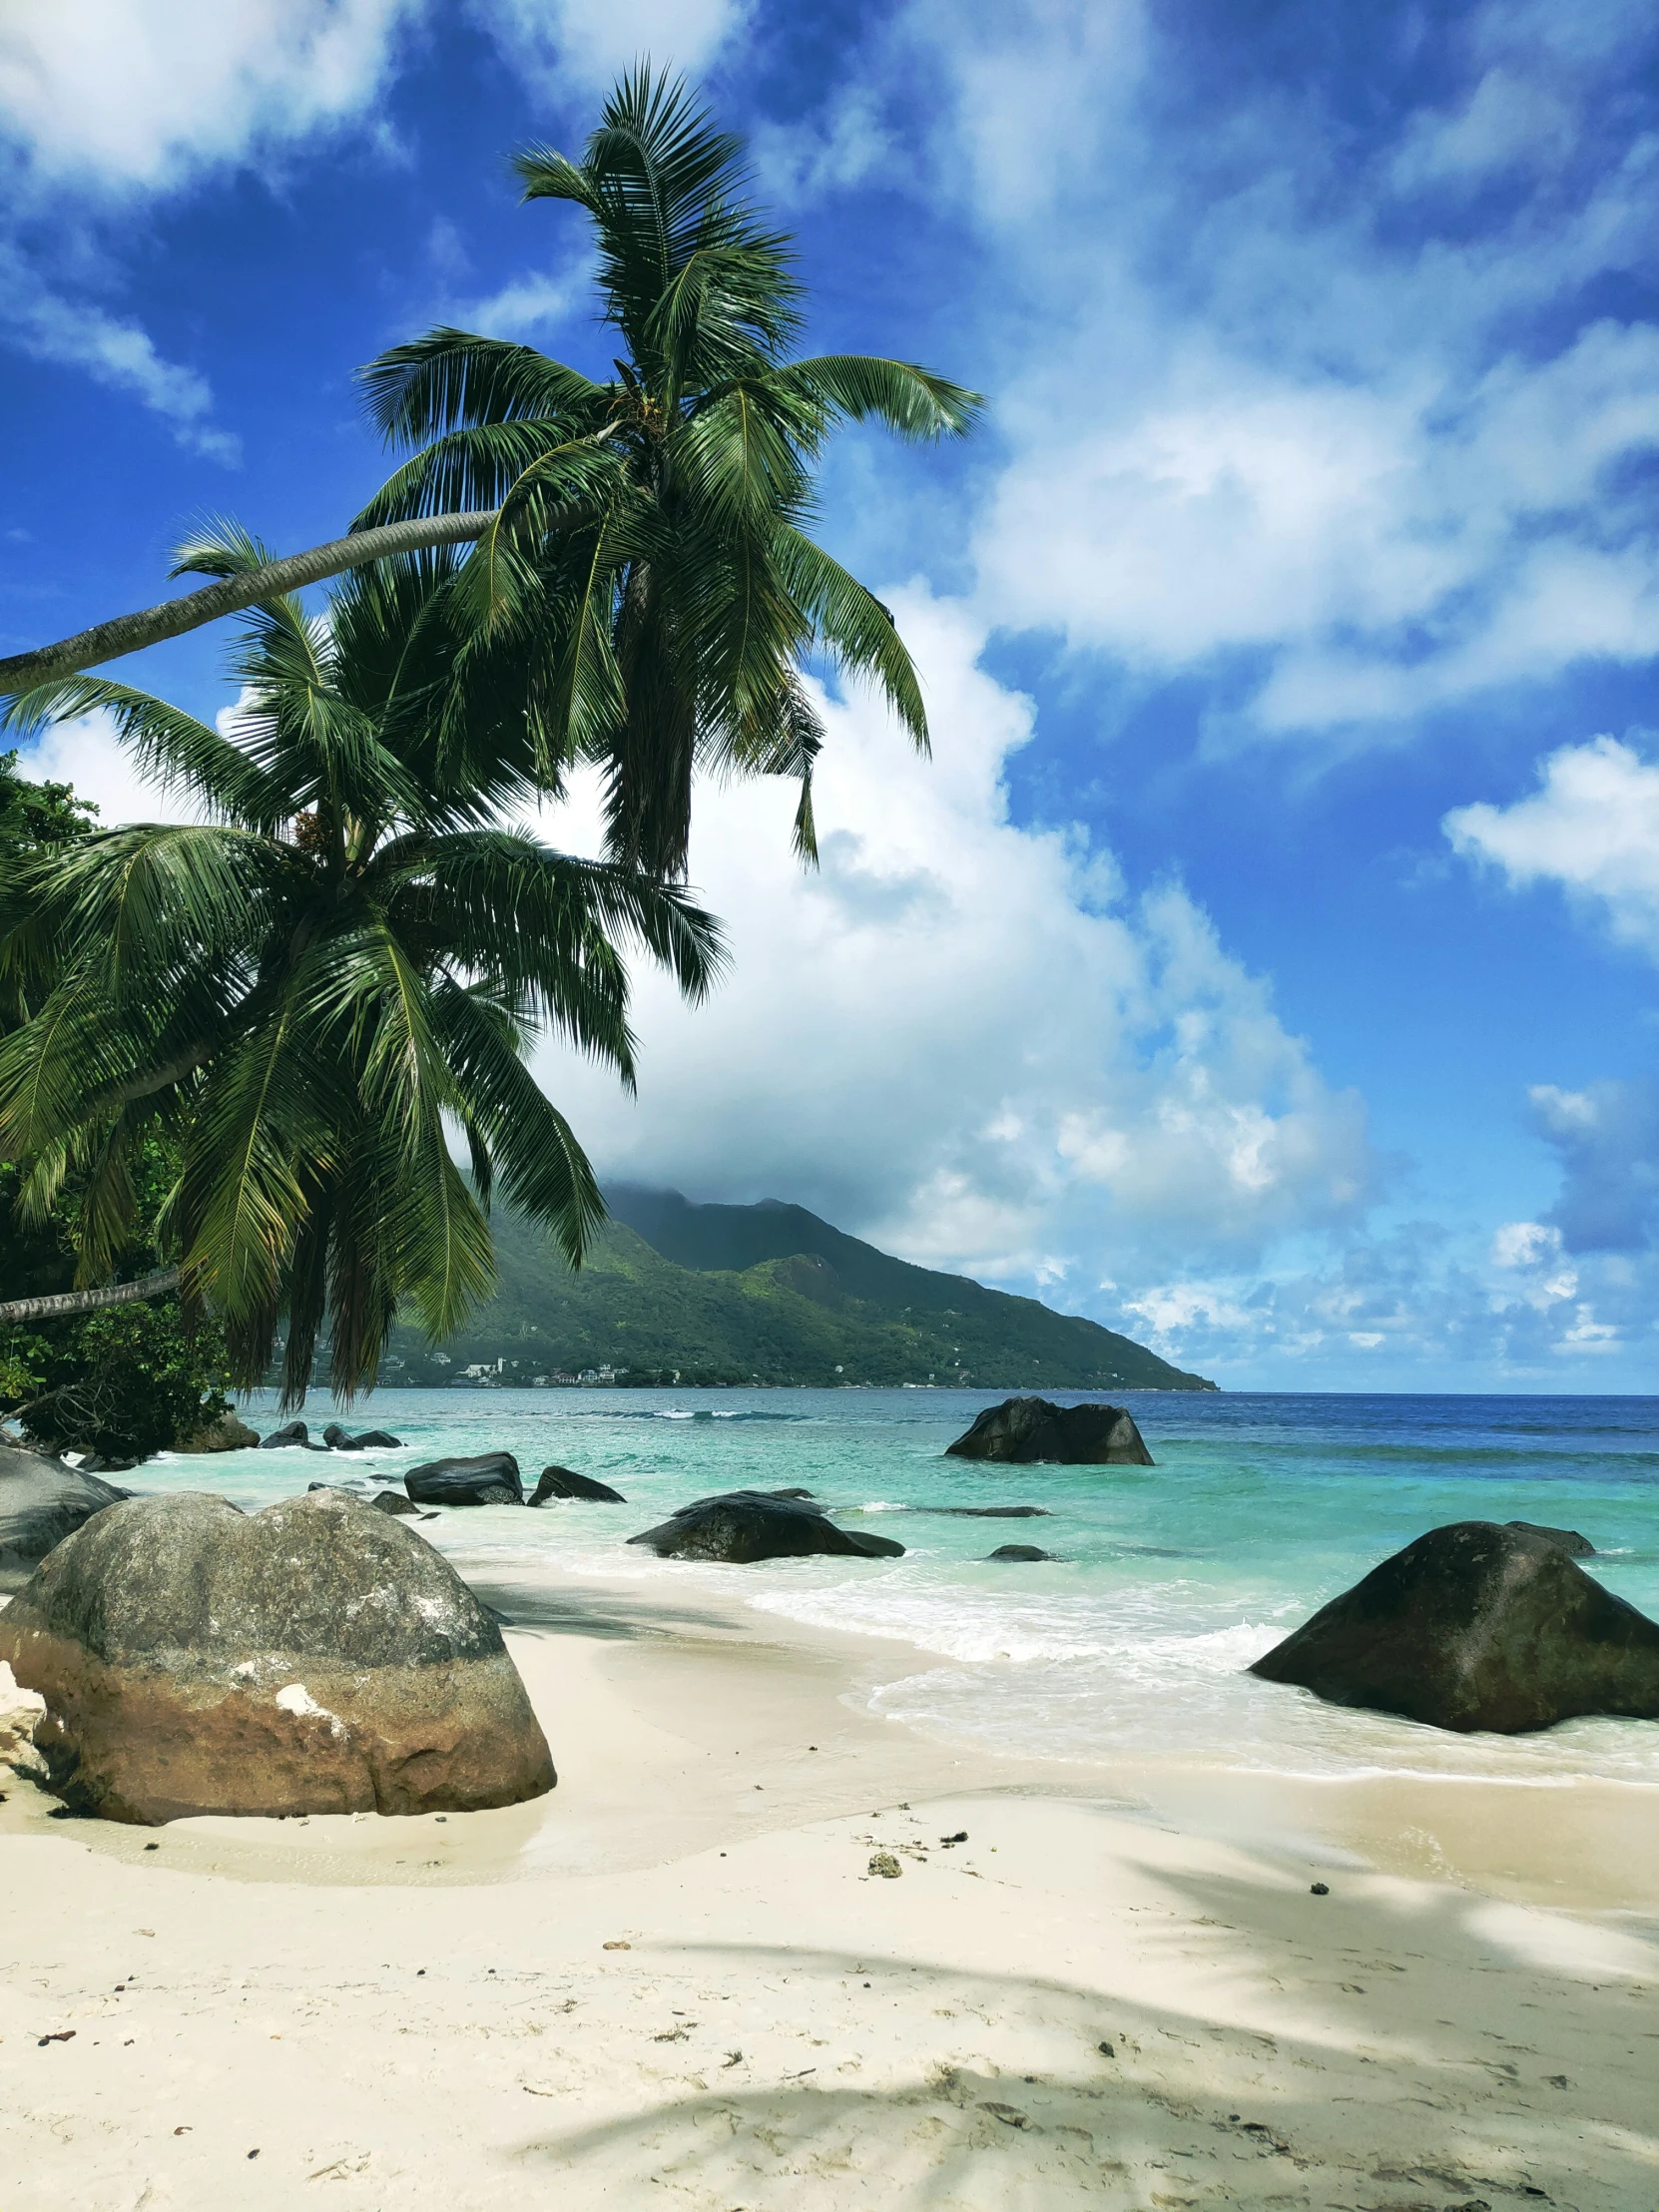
x,y
312,988
650,585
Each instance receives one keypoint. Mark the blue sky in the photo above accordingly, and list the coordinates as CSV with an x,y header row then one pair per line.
x,y
1265,963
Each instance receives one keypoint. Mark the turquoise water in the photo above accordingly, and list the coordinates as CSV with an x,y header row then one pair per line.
x,y
1169,1580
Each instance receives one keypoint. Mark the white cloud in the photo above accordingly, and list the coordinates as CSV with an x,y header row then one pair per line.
x,y
114,352
107,100
1591,826
589,43
1606,1138
1410,1301
801,161
528,303
1250,404
124,93
1506,122
960,1037
1524,1244
88,754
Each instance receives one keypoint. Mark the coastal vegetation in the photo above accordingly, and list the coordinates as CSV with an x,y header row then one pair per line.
x,y
310,987
121,1381
305,996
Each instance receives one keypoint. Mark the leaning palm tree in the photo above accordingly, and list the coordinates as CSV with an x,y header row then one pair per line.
x,y
643,580
339,969
649,560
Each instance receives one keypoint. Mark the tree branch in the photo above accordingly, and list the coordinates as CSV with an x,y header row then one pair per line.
x,y
107,641
91,1301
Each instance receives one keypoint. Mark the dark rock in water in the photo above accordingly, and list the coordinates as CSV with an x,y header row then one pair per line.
x,y
1478,1626
371,1439
989,1512
744,1526
562,1482
43,1501
394,1501
1031,1428
226,1433
490,1479
1564,1539
310,1658
792,1494
1018,1551
285,1438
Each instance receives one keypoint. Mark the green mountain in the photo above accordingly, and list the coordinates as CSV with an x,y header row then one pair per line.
x,y
763,1294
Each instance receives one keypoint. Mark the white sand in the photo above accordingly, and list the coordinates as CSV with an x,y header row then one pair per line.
x,y
410,2013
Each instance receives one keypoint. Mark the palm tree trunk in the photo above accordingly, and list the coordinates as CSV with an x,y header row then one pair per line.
x,y
107,641
91,1301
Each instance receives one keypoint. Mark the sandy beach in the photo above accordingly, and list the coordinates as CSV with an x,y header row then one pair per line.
x,y
676,1980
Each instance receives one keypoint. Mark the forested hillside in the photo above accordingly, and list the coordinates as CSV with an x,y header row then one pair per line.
x,y
769,1293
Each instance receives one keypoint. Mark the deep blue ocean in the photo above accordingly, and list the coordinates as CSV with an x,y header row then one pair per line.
x,y
1167,1580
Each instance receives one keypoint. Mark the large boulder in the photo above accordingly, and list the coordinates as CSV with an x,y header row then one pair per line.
x,y
224,1433
43,1501
1019,1553
559,1483
370,1439
744,1526
1029,1428
1564,1539
289,1437
314,1657
1478,1626
491,1478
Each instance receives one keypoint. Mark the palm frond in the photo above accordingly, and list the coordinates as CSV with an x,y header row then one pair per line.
x,y
173,748
854,626
219,546
859,387
541,1167
453,380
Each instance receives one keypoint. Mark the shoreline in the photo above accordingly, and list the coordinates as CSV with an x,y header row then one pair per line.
x,y
932,2039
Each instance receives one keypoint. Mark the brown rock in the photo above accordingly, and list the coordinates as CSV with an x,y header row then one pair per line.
x,y
1478,1626
226,1433
314,1657
1025,1429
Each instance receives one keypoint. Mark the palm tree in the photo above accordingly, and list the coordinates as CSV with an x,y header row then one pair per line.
x,y
345,960
649,558
640,544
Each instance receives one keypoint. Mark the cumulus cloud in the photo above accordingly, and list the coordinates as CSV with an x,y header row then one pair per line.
x,y
125,95
586,43
1299,399
1607,1140
111,101
1591,826
961,1037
